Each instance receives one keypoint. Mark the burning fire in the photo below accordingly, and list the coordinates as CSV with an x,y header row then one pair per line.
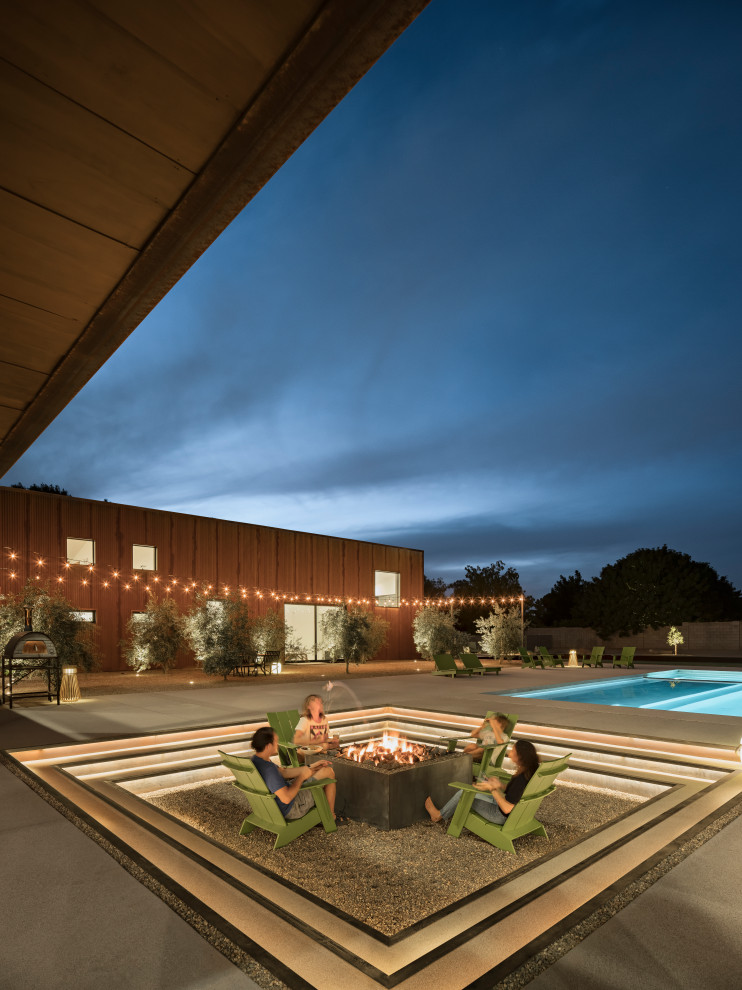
x,y
391,748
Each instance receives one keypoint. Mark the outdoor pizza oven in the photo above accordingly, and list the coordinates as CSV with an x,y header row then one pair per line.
x,y
25,654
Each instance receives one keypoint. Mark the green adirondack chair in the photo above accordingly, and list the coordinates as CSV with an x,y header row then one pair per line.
x,y
528,660
521,820
284,723
549,660
490,762
595,659
627,657
446,665
266,814
472,663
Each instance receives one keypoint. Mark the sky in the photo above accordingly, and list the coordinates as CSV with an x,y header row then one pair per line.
x,y
490,309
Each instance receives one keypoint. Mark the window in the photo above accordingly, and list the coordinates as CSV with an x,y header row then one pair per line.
x,y
84,616
386,588
80,551
305,625
143,558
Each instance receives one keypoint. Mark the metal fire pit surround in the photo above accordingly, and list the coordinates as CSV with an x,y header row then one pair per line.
x,y
392,799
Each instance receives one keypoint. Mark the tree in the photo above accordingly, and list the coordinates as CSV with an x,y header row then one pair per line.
x,y
493,581
353,633
434,631
56,617
559,606
51,489
221,632
434,587
154,636
675,638
500,632
654,588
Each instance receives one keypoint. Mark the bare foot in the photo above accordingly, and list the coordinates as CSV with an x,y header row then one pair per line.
x,y
435,815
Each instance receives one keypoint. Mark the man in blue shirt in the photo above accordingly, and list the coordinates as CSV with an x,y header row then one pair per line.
x,y
285,782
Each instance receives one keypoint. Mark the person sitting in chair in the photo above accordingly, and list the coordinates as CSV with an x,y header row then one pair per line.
x,y
500,800
313,729
285,782
492,732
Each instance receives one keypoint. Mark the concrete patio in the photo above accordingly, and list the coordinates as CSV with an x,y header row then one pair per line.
x,y
76,918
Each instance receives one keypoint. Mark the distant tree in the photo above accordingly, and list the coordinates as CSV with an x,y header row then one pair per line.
x,y
353,633
656,587
559,606
51,489
434,631
500,631
492,581
434,587
675,638
53,615
153,637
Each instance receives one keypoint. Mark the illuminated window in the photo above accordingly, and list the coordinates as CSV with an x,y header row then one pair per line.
x,y
84,616
80,551
386,588
143,558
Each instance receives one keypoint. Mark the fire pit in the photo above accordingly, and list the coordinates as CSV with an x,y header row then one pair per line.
x,y
385,780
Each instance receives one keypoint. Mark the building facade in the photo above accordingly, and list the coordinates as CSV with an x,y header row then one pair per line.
x,y
107,558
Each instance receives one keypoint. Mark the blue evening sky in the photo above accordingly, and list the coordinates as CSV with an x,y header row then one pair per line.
x,y
490,309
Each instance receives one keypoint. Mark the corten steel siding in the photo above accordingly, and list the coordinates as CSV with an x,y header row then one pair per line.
x,y
192,547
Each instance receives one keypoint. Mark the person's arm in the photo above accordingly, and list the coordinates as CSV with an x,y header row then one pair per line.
x,y
296,779
475,734
494,786
301,735
496,728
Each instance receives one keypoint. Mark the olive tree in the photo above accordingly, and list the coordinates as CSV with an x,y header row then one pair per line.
x,y
57,618
153,637
221,632
354,633
434,631
500,631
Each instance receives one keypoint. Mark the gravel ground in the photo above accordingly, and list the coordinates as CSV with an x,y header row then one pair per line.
x,y
390,880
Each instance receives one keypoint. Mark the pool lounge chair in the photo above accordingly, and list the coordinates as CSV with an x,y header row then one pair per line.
x,y
530,661
446,665
521,820
627,657
549,660
595,659
266,814
284,723
472,663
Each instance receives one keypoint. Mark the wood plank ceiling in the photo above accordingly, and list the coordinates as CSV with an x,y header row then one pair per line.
x,y
132,133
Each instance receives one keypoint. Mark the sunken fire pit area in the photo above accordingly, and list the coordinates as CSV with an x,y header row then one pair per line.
x,y
377,909
385,780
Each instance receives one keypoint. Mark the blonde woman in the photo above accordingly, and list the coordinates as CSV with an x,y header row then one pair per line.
x,y
313,728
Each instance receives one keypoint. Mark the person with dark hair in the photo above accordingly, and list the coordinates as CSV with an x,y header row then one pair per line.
x,y
499,801
285,782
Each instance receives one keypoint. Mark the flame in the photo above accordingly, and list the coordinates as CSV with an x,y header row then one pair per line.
x,y
392,747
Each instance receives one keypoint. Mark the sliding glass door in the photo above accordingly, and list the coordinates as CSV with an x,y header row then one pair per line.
x,y
306,629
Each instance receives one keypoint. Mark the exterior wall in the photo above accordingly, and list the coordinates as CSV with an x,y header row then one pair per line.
x,y
701,638
192,548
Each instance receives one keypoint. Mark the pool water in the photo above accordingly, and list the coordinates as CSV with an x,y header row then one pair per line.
x,y
710,692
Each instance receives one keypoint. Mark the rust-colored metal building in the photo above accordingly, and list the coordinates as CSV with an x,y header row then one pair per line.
x,y
104,556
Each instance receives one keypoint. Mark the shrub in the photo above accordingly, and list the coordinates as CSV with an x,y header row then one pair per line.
x,y
154,636
500,632
434,632
353,633
54,616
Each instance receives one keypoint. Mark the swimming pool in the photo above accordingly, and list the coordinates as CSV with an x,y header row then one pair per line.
x,y
709,692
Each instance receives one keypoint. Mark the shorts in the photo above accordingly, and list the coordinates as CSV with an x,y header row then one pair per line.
x,y
303,802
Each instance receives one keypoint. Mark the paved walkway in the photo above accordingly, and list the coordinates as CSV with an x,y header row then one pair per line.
x,y
71,917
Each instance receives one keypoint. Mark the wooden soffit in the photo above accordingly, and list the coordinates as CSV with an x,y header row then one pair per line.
x,y
132,133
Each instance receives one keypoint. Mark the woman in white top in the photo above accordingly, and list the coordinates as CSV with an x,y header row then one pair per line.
x,y
492,732
313,728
